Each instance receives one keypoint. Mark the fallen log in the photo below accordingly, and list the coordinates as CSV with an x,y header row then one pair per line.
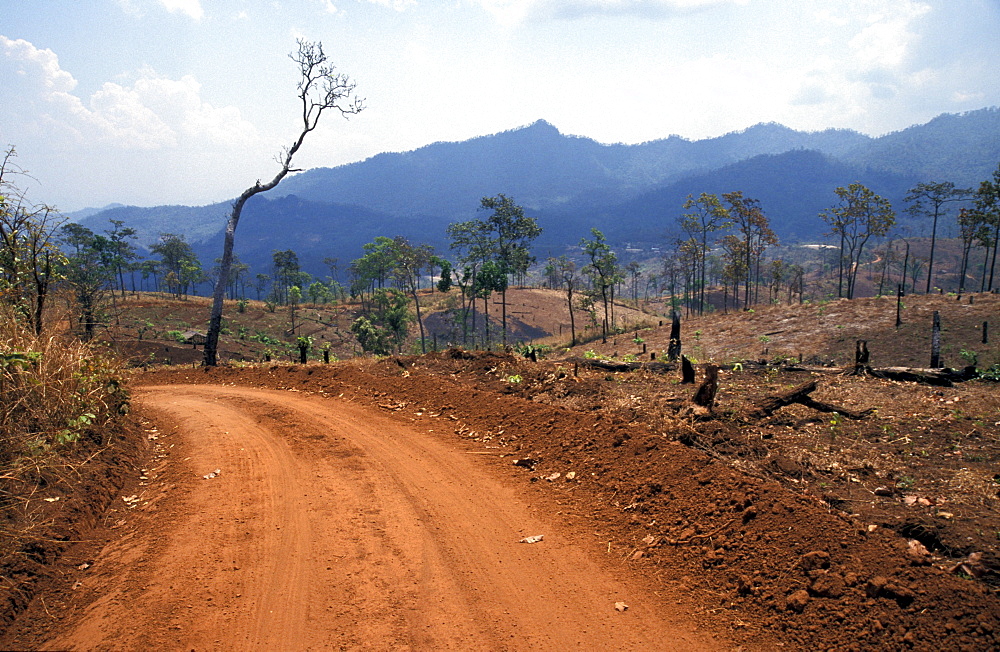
x,y
612,365
768,405
938,377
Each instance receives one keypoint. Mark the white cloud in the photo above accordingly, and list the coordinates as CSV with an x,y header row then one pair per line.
x,y
887,39
512,12
150,128
25,56
398,5
190,7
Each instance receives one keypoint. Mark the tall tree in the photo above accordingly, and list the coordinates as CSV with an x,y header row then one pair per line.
x,y
511,234
29,255
988,205
122,251
972,228
471,242
409,261
707,215
90,269
603,270
320,88
752,223
856,218
286,273
180,266
563,271
929,199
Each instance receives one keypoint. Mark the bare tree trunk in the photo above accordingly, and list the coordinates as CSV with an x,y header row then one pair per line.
x,y
320,88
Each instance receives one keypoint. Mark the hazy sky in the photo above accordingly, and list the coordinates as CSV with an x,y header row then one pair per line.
x,y
188,101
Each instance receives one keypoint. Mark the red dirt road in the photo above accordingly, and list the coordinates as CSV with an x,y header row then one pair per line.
x,y
335,527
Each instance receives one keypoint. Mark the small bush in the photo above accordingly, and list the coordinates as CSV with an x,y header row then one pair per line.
x,y
177,336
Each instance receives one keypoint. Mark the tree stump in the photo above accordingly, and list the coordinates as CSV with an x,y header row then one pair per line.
x,y
674,348
861,359
704,397
687,371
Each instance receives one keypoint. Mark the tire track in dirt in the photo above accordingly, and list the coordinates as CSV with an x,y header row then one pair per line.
x,y
331,526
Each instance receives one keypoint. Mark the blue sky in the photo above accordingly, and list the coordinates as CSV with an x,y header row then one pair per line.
x,y
189,101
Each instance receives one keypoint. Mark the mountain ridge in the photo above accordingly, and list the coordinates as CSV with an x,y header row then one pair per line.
x,y
573,183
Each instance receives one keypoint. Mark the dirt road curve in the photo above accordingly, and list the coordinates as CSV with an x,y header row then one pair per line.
x,y
334,527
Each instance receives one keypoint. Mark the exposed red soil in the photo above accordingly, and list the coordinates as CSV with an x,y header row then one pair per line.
x,y
756,557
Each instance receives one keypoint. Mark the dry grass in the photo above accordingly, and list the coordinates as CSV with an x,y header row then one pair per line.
x,y
54,393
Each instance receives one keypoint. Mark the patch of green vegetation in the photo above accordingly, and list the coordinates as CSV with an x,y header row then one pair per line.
x,y
177,336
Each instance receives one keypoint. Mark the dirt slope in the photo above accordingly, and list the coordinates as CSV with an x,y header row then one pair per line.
x,y
333,526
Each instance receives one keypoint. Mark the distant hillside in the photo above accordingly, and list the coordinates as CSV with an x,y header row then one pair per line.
x,y
964,149
792,187
631,192
542,168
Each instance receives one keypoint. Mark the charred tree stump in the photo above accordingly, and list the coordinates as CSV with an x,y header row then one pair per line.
x,y
687,371
704,397
674,348
899,305
861,359
936,341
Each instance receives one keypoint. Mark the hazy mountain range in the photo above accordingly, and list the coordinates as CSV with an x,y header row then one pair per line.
x,y
631,192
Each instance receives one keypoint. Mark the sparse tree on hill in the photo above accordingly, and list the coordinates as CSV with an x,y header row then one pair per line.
x,y
181,268
122,250
563,271
90,268
604,272
320,88
988,205
472,244
929,199
755,228
511,234
856,218
286,273
408,262
707,215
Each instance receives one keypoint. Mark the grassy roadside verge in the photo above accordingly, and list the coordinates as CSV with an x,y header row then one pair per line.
x,y
66,445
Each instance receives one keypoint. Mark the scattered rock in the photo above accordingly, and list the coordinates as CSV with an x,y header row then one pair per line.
x,y
815,560
620,606
827,585
526,463
553,477
917,553
797,601
882,587
532,539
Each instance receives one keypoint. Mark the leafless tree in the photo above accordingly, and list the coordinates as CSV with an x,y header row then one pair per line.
x,y
320,88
